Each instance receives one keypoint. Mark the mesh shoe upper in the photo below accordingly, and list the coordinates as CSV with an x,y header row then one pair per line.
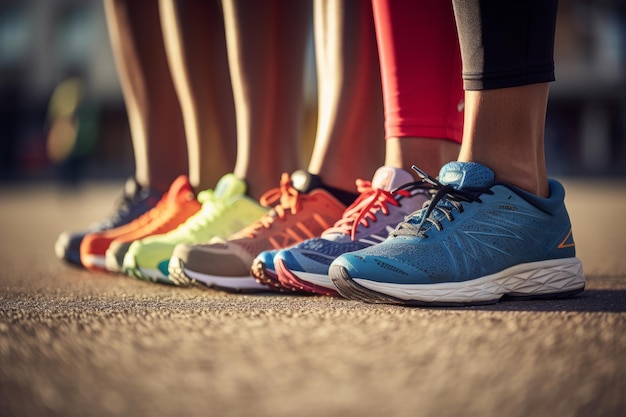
x,y
135,201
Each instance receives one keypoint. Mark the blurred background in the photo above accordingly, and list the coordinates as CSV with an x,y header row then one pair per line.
x,y
62,116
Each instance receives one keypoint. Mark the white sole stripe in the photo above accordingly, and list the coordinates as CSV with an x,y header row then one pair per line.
x,y
317,279
535,278
245,282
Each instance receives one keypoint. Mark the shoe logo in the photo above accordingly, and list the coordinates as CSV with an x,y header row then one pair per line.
x,y
452,177
460,106
568,242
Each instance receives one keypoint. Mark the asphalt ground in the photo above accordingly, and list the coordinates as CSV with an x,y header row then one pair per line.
x,y
74,343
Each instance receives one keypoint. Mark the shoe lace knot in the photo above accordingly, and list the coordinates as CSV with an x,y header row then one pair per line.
x,y
445,200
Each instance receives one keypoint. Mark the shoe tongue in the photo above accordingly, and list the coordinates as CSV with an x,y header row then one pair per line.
x,y
229,186
179,188
304,181
388,178
466,175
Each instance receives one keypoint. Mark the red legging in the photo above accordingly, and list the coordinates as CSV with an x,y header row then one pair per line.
x,y
420,66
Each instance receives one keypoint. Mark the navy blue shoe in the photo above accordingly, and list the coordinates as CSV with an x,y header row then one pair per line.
x,y
476,241
134,202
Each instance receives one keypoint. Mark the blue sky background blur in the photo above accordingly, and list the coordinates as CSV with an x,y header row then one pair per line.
x,y
56,64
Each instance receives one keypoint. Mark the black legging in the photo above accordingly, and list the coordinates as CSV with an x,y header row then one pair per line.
x,y
506,43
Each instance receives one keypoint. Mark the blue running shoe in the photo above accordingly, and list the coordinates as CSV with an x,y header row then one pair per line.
x,y
476,241
383,203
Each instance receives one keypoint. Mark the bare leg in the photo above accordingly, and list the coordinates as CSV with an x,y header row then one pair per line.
x,y
348,141
266,55
427,153
153,112
504,130
196,49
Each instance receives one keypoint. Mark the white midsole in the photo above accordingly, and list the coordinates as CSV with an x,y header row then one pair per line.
x,y
317,279
238,283
93,261
535,278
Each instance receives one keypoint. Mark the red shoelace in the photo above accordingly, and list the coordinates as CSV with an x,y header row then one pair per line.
x,y
365,207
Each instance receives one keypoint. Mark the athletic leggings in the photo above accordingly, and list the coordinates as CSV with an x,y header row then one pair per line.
x,y
420,66
502,43
506,43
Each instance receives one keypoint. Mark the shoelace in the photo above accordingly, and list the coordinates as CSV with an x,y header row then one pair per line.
x,y
365,208
446,199
289,201
212,207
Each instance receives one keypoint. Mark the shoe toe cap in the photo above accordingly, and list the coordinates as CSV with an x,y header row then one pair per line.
x,y
114,257
150,254
267,258
377,268
67,246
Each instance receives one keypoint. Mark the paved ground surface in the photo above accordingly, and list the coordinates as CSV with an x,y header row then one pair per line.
x,y
74,343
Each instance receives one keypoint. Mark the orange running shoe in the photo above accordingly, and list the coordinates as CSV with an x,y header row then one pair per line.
x,y
301,210
174,208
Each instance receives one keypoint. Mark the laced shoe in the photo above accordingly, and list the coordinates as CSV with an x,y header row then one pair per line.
x,y
174,208
476,241
301,210
134,202
224,211
383,203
